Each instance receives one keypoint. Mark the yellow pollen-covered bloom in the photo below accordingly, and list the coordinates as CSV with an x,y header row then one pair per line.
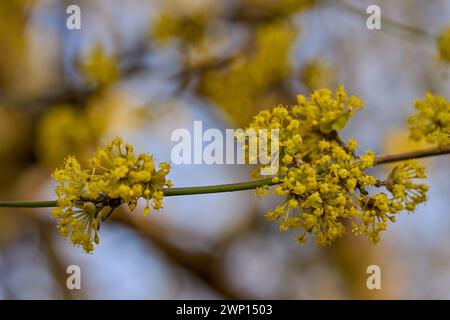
x,y
321,179
87,196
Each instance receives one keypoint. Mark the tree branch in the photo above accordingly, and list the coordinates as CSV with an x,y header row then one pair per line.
x,y
388,158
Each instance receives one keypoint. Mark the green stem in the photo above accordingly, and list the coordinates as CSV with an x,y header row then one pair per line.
x,y
388,158
27,204
217,188
168,192
382,159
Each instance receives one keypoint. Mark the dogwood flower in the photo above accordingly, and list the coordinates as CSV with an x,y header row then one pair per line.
x,y
87,196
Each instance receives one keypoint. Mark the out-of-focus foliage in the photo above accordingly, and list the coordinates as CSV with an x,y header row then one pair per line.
x,y
187,27
197,28
62,131
261,9
444,44
239,88
69,130
249,79
14,143
14,128
13,19
99,68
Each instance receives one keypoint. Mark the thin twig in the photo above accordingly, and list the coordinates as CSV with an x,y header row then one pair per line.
x,y
388,158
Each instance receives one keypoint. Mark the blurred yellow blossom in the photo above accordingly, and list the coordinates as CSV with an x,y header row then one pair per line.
x,y
318,74
64,130
188,27
270,8
99,68
68,130
13,40
238,88
444,44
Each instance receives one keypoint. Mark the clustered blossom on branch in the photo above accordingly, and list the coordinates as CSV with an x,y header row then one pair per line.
x,y
85,197
322,182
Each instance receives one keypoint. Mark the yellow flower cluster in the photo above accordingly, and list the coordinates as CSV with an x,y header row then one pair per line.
x,y
321,179
376,212
85,197
400,184
321,193
325,111
379,209
289,132
302,126
432,121
444,44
